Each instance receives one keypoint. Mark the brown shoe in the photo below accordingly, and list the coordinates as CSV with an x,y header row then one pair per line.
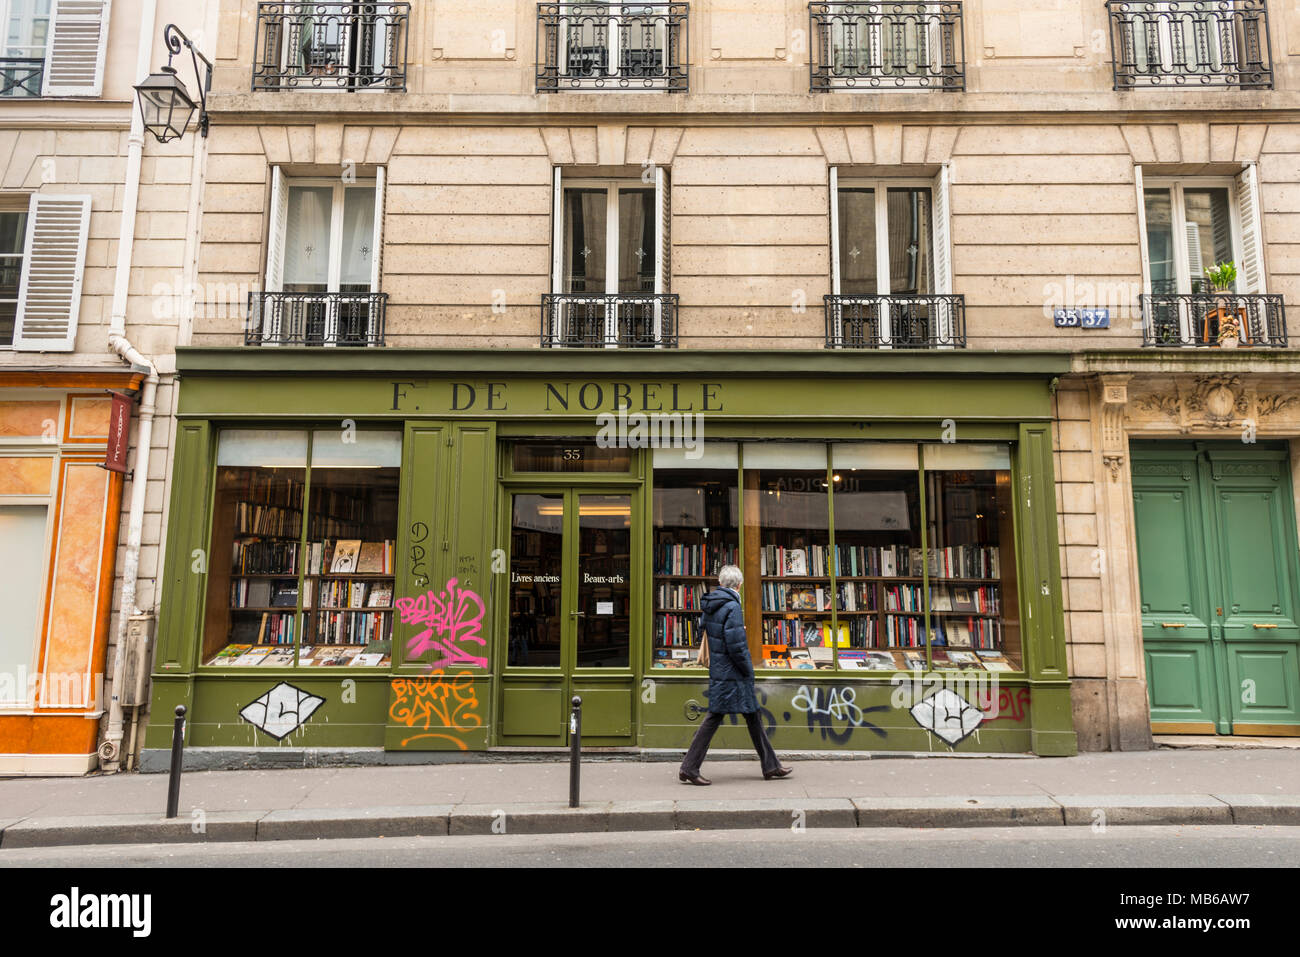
x,y
778,773
693,779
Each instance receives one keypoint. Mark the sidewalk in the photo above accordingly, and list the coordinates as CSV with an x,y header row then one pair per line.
x,y
1257,787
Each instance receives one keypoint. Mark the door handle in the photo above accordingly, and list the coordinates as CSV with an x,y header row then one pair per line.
x,y
1172,624
577,614
1258,625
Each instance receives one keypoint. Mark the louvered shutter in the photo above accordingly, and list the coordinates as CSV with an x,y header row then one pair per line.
x,y
663,217
942,232
279,215
1251,278
74,54
835,230
378,242
54,257
557,236
1142,230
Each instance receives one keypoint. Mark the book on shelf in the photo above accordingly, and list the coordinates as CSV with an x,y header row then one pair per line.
x,y
375,558
256,557
381,596
905,561
821,654
684,597
304,652
279,658
286,596
914,661
996,664
957,634
692,560
277,628
964,659
778,561
802,664
853,659
352,627
253,656
346,553
880,661
229,653
367,659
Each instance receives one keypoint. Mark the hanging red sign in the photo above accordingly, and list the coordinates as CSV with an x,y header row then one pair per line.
x,y
119,432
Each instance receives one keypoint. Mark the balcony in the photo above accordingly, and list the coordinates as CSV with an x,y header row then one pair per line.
x,y
1173,320
21,76
1190,43
315,319
612,47
629,321
896,322
331,46
887,46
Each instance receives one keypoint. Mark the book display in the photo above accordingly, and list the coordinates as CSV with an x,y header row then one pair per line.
x,y
314,578
695,534
536,564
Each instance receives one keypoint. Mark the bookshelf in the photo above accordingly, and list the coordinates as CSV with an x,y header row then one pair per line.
x,y
322,596
695,535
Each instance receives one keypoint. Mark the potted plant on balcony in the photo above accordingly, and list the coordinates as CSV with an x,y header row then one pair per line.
x,y
1230,323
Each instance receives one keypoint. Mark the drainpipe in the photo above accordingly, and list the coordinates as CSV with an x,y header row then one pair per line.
x,y
110,751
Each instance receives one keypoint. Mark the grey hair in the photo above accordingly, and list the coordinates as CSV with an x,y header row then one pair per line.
x,y
729,576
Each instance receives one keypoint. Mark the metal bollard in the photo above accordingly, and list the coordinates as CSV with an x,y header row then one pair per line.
x,y
174,776
575,750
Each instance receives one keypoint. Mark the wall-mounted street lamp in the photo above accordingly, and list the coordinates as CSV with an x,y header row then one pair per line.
x,y
165,103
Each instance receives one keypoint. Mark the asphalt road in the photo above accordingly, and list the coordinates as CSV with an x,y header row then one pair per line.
x,y
1146,847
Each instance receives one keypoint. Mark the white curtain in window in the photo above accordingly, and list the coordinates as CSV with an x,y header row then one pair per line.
x,y
22,550
307,235
358,237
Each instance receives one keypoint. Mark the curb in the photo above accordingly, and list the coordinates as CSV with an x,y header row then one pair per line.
x,y
1066,810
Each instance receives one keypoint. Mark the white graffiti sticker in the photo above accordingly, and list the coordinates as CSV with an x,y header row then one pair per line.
x,y
948,715
281,710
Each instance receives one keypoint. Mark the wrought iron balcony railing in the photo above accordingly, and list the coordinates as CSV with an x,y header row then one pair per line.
x,y
612,46
1171,320
331,46
908,45
21,75
898,322
315,319
1159,43
631,320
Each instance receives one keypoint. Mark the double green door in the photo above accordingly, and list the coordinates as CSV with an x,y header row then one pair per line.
x,y
1217,561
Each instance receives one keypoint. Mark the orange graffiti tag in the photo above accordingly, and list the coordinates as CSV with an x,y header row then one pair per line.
x,y
435,700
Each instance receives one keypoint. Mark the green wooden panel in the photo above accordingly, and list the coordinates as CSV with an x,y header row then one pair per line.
x,y
438,712
606,711
534,710
351,715
1180,681
422,526
1263,679
470,523
186,561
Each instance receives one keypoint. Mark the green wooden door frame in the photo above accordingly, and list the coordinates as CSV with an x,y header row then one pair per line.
x,y
1233,667
529,694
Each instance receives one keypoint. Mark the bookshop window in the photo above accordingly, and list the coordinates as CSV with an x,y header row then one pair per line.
x,y
787,518
311,585
536,579
877,504
696,532
974,616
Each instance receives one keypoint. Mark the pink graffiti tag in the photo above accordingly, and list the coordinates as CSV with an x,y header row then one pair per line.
x,y
455,615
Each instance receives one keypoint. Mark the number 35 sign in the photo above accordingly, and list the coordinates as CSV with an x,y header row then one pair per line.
x,y
1082,318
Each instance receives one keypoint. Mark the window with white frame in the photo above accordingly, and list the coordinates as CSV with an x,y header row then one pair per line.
x,y
23,545
1193,224
335,46
53,47
889,253
13,232
610,259
323,260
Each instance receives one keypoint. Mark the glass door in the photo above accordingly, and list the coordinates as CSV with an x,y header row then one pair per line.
x,y
570,616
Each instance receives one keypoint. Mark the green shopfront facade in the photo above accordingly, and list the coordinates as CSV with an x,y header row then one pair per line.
x,y
434,551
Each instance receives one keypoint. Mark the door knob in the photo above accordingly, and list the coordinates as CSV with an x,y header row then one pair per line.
x,y
1258,625
577,614
1172,624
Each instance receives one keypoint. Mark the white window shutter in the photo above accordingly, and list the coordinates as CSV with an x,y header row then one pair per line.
x,y
1251,275
279,214
1142,230
377,242
74,54
835,230
943,232
557,236
663,216
54,257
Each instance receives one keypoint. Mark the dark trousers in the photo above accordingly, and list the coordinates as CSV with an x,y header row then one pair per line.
x,y
695,755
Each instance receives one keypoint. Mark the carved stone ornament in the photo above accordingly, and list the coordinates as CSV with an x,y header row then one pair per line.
x,y
1115,463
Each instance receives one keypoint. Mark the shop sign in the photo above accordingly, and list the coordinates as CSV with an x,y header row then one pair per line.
x,y
569,396
119,431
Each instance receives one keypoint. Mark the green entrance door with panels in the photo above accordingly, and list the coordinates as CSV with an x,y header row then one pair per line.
x,y
570,614
1217,561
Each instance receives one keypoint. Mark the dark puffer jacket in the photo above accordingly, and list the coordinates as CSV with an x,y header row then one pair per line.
x,y
731,674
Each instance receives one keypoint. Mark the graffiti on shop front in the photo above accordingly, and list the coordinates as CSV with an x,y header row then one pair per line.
x,y
1012,703
419,570
281,710
835,711
436,701
948,715
453,618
